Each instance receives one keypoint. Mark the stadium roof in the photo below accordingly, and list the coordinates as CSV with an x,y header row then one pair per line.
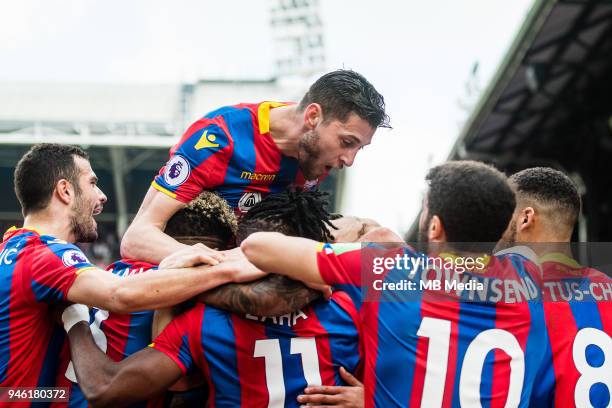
x,y
550,103
556,73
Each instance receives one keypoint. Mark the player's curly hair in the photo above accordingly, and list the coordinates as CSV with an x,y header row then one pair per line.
x,y
206,216
473,200
301,214
547,187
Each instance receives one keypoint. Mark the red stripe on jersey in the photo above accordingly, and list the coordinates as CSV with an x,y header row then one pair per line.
x,y
369,312
561,328
197,351
117,335
254,391
312,327
605,313
25,364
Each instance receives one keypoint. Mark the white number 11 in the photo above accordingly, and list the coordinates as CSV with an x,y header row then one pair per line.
x,y
270,350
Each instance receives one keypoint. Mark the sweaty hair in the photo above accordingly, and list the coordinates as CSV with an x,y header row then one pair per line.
x,y
549,189
206,216
300,214
40,169
473,200
342,92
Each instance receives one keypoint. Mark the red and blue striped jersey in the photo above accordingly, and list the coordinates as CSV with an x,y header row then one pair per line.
x,y
230,151
119,335
443,347
578,308
35,271
252,361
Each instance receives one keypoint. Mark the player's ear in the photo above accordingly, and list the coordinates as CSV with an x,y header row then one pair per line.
x,y
313,115
526,219
435,230
64,191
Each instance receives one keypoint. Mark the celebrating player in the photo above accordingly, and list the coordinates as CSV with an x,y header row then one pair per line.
x,y
577,299
248,360
245,151
39,265
470,349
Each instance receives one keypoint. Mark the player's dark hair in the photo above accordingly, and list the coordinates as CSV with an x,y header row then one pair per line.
x,y
40,169
344,91
551,188
300,214
473,200
209,216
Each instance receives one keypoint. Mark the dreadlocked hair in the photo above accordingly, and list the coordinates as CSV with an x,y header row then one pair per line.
x,y
206,215
301,214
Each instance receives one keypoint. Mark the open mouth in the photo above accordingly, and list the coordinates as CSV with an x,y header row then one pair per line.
x,y
97,210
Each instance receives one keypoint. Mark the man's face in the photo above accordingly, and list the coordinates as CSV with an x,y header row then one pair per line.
x,y
89,201
332,144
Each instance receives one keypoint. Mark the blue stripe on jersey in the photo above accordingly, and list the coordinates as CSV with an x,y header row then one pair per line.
x,y
8,257
50,365
77,398
286,175
184,353
43,293
398,322
354,292
221,111
240,125
219,346
474,318
537,339
544,383
343,337
139,332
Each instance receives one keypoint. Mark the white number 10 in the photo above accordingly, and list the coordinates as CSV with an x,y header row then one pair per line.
x,y
275,381
438,332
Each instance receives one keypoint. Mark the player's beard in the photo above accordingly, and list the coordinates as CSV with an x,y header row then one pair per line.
x,y
309,154
509,237
82,223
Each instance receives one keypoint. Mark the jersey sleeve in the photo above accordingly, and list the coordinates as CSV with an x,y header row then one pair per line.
x,y
197,162
340,264
55,266
174,342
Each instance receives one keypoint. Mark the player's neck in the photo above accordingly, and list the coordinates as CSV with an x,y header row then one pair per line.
x,y
286,129
47,223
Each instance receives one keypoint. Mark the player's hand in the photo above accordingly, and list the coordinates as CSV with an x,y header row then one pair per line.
x,y
326,290
240,269
198,254
350,396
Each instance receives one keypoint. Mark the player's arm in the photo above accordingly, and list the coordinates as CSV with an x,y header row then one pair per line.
x,y
150,222
274,295
349,396
109,384
293,257
147,291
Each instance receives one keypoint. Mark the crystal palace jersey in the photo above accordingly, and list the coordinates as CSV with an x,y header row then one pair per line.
x,y
35,271
443,347
119,335
230,151
578,307
263,362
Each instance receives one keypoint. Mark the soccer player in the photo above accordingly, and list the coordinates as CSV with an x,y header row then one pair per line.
x,y
121,335
40,265
246,151
425,347
248,360
577,299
